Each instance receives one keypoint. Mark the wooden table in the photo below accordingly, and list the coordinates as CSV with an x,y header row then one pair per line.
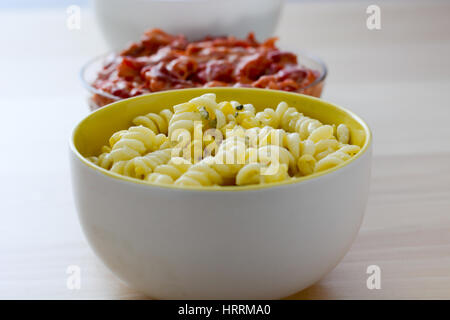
x,y
397,78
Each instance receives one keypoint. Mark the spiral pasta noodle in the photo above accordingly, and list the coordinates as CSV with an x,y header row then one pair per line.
x,y
158,123
289,119
128,144
168,173
203,173
336,158
140,167
251,174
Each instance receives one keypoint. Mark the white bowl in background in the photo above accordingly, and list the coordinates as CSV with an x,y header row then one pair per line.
x,y
124,21
253,242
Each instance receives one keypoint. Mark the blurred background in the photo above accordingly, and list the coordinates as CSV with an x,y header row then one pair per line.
x,y
396,78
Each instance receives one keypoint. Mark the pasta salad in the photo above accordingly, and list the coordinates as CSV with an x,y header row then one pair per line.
x,y
203,142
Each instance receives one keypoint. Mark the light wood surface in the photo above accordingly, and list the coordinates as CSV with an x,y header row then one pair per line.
x,y
397,78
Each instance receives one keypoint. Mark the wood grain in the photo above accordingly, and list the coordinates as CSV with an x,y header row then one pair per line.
x,y
397,78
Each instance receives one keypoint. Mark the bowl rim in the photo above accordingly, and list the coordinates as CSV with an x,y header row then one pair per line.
x,y
296,180
88,86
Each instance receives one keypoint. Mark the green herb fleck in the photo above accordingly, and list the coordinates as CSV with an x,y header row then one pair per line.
x,y
204,113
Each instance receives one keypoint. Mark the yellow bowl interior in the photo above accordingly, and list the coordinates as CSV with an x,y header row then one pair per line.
x,y
95,130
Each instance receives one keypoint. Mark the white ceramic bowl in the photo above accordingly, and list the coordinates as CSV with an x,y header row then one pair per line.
x,y
258,242
124,21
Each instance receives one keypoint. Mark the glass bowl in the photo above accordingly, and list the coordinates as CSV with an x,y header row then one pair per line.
x,y
99,98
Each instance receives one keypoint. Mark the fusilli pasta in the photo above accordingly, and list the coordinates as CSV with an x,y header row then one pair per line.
x,y
158,123
205,143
